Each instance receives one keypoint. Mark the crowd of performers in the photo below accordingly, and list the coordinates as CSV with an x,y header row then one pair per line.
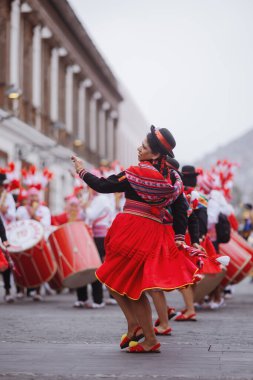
x,y
21,199
156,227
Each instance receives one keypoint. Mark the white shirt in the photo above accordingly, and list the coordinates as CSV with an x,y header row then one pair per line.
x,y
216,204
42,212
10,215
99,214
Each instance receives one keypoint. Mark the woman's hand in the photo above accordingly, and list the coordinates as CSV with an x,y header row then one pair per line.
x,y
6,243
180,243
198,246
78,163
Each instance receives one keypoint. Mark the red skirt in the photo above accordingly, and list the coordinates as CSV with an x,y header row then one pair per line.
x,y
210,266
141,255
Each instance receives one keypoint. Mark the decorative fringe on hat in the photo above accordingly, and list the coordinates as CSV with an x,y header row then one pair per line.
x,y
219,177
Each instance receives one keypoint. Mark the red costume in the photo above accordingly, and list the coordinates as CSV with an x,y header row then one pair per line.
x,y
140,250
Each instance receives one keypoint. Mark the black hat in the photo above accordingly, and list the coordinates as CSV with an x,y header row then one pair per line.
x,y
173,163
161,141
189,171
189,175
2,178
248,206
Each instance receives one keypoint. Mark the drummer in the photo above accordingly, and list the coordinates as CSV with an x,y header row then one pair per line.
x,y
34,209
72,213
8,215
98,214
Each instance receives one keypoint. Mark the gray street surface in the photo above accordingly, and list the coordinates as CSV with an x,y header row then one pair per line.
x,y
52,340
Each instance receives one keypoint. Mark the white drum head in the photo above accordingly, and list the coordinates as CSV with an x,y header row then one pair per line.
x,y
79,279
23,235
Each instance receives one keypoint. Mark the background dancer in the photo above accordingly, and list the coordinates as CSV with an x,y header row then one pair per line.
x,y
197,229
176,222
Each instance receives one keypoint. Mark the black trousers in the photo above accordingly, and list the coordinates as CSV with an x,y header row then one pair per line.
x,y
97,288
7,279
216,245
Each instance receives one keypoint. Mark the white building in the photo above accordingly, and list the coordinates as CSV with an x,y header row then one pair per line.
x,y
67,100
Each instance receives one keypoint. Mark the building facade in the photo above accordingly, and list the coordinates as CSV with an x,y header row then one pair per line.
x,y
57,94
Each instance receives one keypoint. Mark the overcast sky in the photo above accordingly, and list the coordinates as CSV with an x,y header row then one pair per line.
x,y
187,63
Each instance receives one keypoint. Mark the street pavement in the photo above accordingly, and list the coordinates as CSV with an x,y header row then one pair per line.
x,y
53,341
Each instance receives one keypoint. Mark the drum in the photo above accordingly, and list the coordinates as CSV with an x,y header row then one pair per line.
x,y
56,282
243,243
207,285
76,255
240,262
31,255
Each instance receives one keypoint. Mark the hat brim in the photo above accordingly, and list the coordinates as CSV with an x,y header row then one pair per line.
x,y
190,174
171,154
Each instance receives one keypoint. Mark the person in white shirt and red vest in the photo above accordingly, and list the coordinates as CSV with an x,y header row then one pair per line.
x,y
34,209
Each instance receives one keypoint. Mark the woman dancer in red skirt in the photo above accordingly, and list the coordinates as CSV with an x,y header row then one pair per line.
x,y
140,252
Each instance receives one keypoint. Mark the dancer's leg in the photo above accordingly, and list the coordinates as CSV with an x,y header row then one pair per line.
x,y
188,296
161,309
128,310
215,295
144,316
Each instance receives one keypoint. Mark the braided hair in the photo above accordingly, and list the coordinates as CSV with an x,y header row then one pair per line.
x,y
161,165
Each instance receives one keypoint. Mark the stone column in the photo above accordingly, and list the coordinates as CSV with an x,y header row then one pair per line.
x,y
54,105
81,112
62,53
94,120
15,51
36,75
87,111
71,70
15,43
98,98
25,112
82,93
84,112
4,49
111,135
69,99
115,135
45,79
102,129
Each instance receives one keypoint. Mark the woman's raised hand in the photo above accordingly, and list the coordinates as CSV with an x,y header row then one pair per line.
x,y
78,163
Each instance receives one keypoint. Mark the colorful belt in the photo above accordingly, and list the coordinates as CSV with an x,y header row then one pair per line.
x,y
145,210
